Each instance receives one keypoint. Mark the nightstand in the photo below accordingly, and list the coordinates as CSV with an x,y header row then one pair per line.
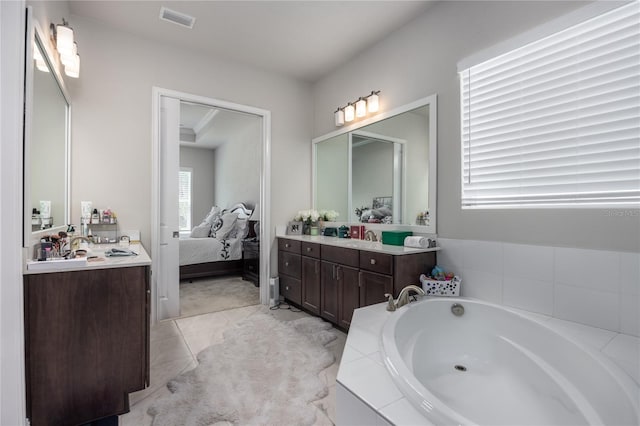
x,y
251,261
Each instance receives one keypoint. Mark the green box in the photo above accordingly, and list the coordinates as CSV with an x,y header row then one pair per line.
x,y
395,238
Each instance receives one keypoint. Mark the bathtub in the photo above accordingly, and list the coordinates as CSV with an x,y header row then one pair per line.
x,y
493,366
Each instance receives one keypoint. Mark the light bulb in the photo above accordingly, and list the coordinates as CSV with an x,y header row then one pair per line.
x,y
349,113
361,108
339,117
373,102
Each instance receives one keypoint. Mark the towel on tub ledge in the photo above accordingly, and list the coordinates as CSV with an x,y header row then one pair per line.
x,y
419,242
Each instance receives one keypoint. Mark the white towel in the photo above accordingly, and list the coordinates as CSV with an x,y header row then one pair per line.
x,y
415,241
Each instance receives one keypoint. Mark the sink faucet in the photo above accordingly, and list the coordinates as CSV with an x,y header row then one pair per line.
x,y
403,297
370,235
79,237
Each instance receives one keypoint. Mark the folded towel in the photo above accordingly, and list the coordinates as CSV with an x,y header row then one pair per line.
x,y
416,241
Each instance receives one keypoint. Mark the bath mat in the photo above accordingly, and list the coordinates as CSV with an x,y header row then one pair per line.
x,y
265,372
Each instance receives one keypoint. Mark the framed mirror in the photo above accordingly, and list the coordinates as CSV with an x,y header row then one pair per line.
x,y
47,139
381,171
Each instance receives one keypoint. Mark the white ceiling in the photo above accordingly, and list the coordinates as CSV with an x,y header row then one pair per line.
x,y
302,39
213,126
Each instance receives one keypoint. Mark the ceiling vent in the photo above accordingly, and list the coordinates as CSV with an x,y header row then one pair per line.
x,y
178,18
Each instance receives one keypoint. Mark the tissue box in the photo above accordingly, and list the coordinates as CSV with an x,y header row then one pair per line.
x,y
442,288
395,238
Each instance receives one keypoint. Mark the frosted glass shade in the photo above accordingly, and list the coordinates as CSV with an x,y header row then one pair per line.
x,y
64,40
69,59
373,103
339,117
349,113
73,69
361,108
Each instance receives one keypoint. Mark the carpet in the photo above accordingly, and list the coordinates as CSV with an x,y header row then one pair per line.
x,y
265,372
204,296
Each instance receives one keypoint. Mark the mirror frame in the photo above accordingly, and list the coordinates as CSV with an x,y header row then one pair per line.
x,y
432,102
35,34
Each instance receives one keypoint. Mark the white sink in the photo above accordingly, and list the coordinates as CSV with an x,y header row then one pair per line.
x,y
56,265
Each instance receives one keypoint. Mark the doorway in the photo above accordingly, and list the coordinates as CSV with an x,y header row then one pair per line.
x,y
166,218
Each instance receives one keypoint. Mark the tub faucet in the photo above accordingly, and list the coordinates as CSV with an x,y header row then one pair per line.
x,y
403,297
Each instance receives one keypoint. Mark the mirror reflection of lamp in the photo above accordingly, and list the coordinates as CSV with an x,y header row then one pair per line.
x,y
41,65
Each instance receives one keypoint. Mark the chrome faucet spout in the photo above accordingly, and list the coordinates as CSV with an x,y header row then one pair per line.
x,y
403,297
370,235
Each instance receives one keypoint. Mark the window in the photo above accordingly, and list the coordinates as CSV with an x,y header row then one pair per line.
x,y
556,122
185,192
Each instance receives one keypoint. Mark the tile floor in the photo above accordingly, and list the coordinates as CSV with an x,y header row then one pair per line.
x,y
175,344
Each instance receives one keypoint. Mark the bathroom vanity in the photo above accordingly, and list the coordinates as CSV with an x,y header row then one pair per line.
x,y
86,339
331,277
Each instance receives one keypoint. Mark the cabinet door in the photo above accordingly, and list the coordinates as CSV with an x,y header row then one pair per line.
x,y
311,284
373,287
328,291
349,294
290,289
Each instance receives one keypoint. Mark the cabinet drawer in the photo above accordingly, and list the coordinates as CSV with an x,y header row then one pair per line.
x,y
340,255
291,289
310,249
376,262
292,246
289,264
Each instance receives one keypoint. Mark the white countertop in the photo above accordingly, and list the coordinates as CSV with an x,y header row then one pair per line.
x,y
353,243
363,373
102,262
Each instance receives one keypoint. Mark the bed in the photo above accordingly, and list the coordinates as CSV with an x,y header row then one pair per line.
x,y
205,256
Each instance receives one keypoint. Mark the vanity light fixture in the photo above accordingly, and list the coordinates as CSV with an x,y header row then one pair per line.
x,y
41,65
357,109
62,36
349,112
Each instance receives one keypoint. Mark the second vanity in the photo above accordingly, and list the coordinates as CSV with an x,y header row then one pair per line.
x,y
86,338
331,277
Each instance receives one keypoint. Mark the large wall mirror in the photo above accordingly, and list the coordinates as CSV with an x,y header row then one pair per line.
x,y
47,140
381,170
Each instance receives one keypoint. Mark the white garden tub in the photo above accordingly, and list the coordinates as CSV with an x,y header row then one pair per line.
x,y
492,366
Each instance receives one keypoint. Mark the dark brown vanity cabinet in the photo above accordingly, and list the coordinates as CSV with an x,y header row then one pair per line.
x,y
86,343
332,281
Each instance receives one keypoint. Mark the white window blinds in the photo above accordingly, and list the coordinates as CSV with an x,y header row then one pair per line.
x,y
184,198
556,122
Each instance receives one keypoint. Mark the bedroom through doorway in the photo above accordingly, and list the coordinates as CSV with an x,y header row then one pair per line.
x,y
222,207
218,204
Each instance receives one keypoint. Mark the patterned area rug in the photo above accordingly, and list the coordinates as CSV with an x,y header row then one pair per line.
x,y
204,296
265,372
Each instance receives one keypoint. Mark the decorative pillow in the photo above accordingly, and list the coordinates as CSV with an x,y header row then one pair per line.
x,y
201,231
213,215
224,225
240,229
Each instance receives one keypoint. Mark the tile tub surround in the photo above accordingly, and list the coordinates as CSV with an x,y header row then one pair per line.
x,y
366,391
593,287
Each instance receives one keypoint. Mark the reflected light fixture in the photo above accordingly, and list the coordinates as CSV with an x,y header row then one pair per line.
x,y
357,109
63,39
41,65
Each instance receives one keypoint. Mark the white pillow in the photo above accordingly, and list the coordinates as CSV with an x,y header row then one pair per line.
x,y
201,231
224,225
240,229
213,215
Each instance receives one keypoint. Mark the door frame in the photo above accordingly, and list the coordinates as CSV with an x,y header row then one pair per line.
x,y
265,184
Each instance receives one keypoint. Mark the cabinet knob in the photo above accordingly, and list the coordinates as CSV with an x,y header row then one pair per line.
x,y
286,263
286,288
287,245
373,261
308,249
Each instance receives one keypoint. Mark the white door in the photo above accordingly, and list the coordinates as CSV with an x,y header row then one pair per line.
x,y
168,278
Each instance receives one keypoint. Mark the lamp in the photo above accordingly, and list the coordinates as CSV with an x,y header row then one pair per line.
x,y
357,109
361,108
349,112
373,101
63,38
339,117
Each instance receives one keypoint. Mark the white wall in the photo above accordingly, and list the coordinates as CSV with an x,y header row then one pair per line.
x,y
111,123
370,162
201,161
420,60
332,173
237,167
